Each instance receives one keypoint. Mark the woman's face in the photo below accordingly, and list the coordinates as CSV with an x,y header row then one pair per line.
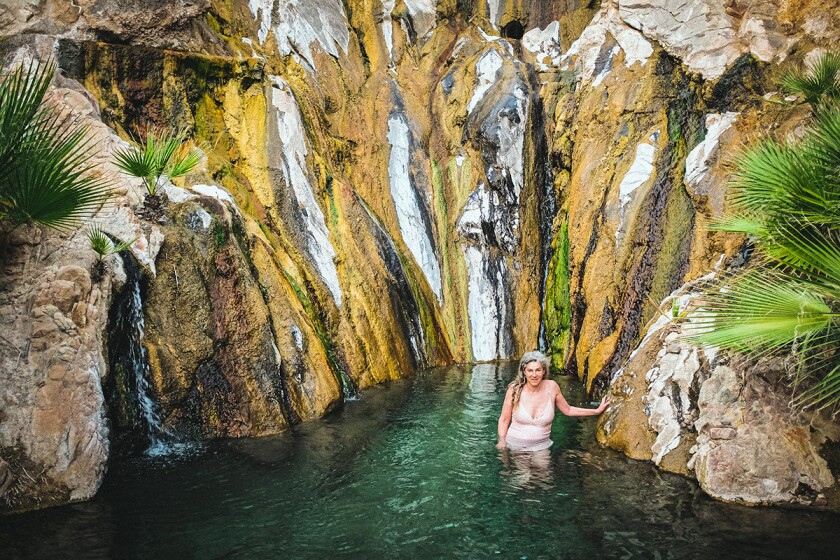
x,y
534,373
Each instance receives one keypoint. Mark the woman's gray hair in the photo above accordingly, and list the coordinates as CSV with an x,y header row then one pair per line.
x,y
534,356
519,381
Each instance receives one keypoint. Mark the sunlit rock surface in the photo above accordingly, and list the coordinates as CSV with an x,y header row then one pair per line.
x,y
723,420
391,185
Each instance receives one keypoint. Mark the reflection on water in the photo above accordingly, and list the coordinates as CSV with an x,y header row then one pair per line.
x,y
410,471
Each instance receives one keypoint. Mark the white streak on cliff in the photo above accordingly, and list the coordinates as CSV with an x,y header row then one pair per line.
x,y
408,206
486,68
292,142
387,27
487,279
545,44
697,163
639,172
300,23
493,11
607,66
423,17
511,137
586,50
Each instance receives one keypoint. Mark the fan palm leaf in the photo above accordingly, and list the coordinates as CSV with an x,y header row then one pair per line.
x,y
824,140
21,94
185,161
786,197
48,177
103,245
760,312
819,80
100,242
158,156
777,178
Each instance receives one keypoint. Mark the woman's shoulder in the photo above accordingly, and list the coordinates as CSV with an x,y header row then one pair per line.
x,y
552,386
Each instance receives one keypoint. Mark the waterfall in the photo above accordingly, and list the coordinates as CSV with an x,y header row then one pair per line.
x,y
130,362
140,369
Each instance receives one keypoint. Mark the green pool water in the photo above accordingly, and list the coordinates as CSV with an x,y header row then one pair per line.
x,y
410,471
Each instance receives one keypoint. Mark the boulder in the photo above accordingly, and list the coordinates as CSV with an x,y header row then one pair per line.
x,y
721,419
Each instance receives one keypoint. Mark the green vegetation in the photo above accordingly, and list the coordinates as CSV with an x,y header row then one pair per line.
x,y
103,246
157,158
46,170
818,82
786,197
558,307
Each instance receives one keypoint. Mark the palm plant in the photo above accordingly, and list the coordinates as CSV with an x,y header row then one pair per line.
x,y
817,82
155,159
786,197
46,174
103,246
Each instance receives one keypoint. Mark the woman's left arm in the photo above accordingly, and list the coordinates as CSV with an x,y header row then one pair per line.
x,y
568,410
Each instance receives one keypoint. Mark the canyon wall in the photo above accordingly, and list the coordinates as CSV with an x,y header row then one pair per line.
x,y
387,185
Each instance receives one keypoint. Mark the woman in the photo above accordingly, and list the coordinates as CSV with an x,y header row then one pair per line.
x,y
525,422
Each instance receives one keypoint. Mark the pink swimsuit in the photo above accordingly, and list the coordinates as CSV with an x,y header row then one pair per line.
x,y
530,434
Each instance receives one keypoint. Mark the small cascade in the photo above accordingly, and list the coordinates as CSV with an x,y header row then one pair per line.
x,y
349,390
131,392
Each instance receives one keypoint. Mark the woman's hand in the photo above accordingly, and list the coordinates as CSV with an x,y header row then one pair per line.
x,y
500,444
605,402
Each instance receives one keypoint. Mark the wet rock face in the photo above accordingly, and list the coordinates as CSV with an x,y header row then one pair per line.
x,y
394,185
225,377
721,420
54,436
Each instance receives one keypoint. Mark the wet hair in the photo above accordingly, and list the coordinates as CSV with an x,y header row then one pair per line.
x,y
519,381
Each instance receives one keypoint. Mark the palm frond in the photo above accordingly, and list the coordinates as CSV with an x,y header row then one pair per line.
x,y
810,250
160,154
21,94
777,179
100,242
819,80
825,392
760,312
48,178
750,225
185,161
137,163
123,245
824,141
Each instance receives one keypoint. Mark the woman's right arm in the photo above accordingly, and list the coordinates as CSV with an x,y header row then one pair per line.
x,y
504,418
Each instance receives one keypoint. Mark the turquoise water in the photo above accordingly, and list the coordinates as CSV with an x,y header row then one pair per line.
x,y
410,471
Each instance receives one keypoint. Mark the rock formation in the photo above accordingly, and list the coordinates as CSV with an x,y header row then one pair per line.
x,y
721,419
388,185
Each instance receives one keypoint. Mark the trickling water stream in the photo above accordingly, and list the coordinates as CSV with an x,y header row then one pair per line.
x,y
130,390
410,471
